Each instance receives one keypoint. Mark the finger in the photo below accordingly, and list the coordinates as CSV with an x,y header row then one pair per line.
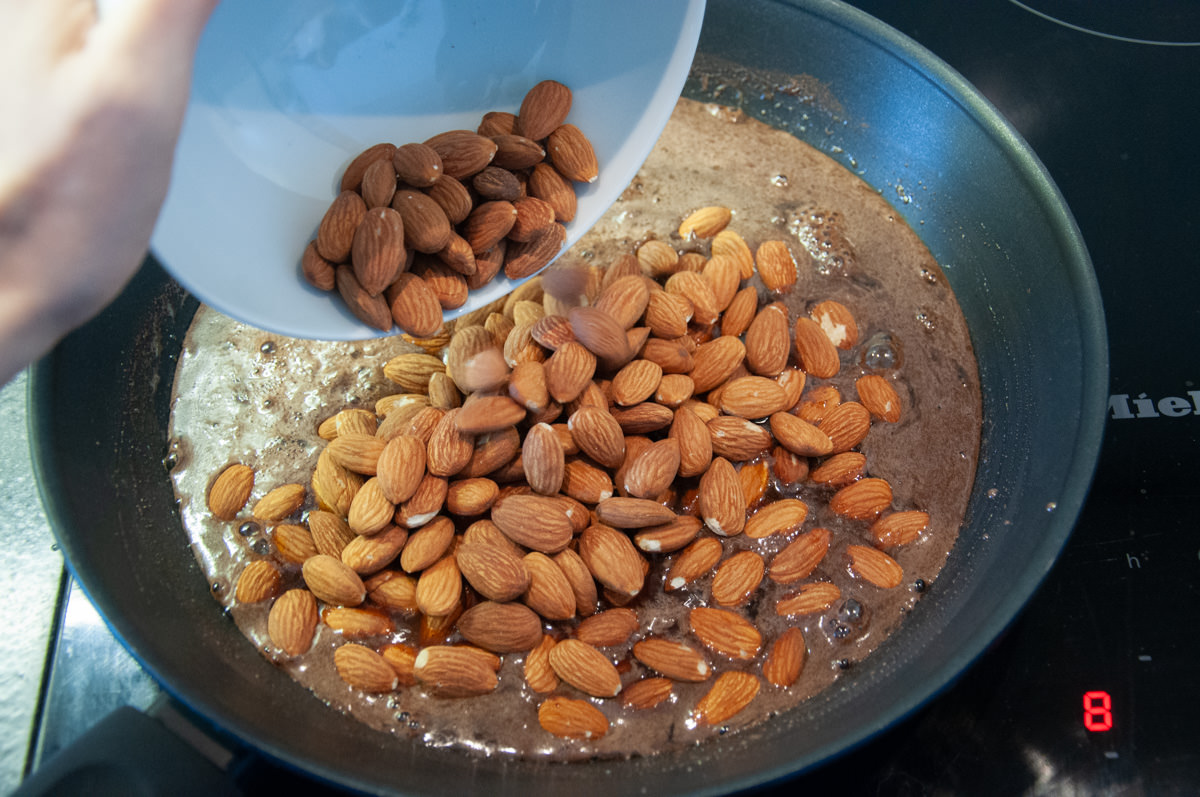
x,y
158,34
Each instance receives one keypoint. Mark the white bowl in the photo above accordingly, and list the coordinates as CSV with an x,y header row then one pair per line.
x,y
287,92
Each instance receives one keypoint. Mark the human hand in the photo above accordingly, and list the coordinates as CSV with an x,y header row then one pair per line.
x,y
92,109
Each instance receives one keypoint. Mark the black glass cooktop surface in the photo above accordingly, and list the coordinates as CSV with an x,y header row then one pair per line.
x,y
1095,687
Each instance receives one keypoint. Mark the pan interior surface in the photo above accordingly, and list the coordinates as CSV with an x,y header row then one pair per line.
x,y
849,86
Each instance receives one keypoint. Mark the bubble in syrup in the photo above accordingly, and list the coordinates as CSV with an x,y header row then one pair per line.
x,y
268,347
851,611
882,353
780,180
992,493
919,585
261,546
249,528
1050,507
843,664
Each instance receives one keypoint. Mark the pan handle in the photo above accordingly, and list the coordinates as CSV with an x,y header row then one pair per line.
x,y
129,752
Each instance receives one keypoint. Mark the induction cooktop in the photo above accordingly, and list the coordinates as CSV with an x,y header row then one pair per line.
x,y
1095,687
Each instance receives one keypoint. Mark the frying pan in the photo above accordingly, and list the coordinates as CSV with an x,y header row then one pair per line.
x,y
912,128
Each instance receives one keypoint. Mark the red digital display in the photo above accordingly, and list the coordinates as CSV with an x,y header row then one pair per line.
x,y
1097,711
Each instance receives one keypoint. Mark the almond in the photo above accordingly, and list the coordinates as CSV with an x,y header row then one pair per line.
x,y
693,562
439,587
654,469
767,341
668,537
454,671
725,632
840,469
259,581
585,482
878,396
330,533
280,502
552,331
416,164
698,291
414,306
636,382
612,559
817,402
716,361
608,628
585,668
549,593
671,355
400,468
809,599
674,389
525,258
647,693
875,566
364,669
352,176
348,420
643,418
740,313
449,286
778,517
569,370
516,152
377,250
799,436
370,511
292,621
754,477
411,371
463,152
625,300
366,555
488,223
468,497
494,571
721,501
598,435
731,692
776,266
533,216
667,314
705,222
449,448
354,623
737,578
675,660
786,659
846,425
547,184
497,123
899,528
393,591
425,503
492,451
539,675
455,200
753,397
722,276
633,513
657,258
495,183
815,351
378,187
527,386
427,545
335,234
788,467
837,322
331,581
230,491
538,522
501,627
543,458
572,719
318,272
402,659
572,155
800,557
601,334
543,109
583,585
426,227
481,414
294,543
865,499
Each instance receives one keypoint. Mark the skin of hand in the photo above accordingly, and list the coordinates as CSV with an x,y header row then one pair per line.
x,y
93,106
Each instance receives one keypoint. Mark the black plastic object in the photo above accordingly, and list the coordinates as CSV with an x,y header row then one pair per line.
x,y
912,128
127,753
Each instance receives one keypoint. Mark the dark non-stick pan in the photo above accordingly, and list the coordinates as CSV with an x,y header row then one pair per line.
x,y
875,100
